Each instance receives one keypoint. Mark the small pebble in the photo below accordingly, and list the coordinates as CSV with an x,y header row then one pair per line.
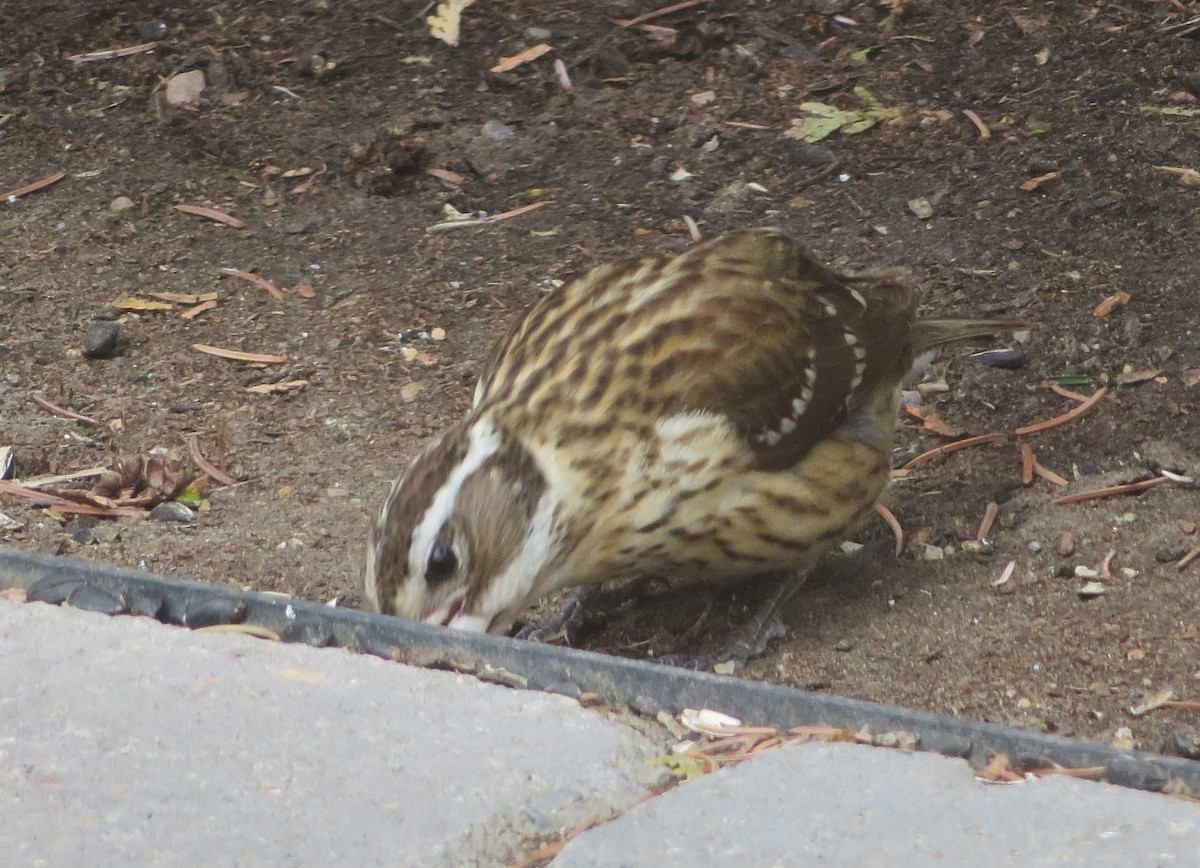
x,y
100,340
171,510
1066,544
1082,572
119,204
1092,589
1035,547
498,131
150,31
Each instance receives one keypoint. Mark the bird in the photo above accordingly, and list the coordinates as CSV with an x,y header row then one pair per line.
x,y
725,412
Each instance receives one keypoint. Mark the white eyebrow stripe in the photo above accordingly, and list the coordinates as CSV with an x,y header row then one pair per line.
x,y
485,442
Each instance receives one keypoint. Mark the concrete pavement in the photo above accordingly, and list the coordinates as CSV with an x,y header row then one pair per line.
x,y
124,741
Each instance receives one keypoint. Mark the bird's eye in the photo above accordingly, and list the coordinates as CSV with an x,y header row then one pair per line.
x,y
442,564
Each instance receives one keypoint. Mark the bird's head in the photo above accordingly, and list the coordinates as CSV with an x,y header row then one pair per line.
x,y
464,534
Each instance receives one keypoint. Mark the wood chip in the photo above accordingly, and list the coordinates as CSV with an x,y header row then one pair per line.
x,y
272,290
1027,462
211,214
193,312
33,188
1133,378
239,356
1113,302
989,518
1034,183
305,290
275,388
508,64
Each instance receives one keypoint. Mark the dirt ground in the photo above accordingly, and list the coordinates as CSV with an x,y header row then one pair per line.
x,y
1028,160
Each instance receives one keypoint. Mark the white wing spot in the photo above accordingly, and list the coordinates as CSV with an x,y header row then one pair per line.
x,y
830,308
860,353
799,405
851,338
787,426
858,296
772,438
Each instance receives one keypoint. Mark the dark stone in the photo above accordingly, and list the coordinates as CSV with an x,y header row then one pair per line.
x,y
171,510
100,340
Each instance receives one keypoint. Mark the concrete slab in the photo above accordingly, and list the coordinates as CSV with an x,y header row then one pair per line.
x,y
848,805
126,742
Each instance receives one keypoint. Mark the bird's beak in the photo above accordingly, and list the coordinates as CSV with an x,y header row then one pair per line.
x,y
470,623
455,618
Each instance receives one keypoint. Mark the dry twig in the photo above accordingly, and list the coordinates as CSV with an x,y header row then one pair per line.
x,y
1070,416
62,411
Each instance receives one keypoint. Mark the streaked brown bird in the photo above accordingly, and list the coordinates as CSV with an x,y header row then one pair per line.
x,y
726,412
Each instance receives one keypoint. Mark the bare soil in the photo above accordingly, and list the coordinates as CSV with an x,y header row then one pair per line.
x,y
317,128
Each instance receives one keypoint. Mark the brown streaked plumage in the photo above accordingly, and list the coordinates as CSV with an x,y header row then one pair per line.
x,y
725,412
